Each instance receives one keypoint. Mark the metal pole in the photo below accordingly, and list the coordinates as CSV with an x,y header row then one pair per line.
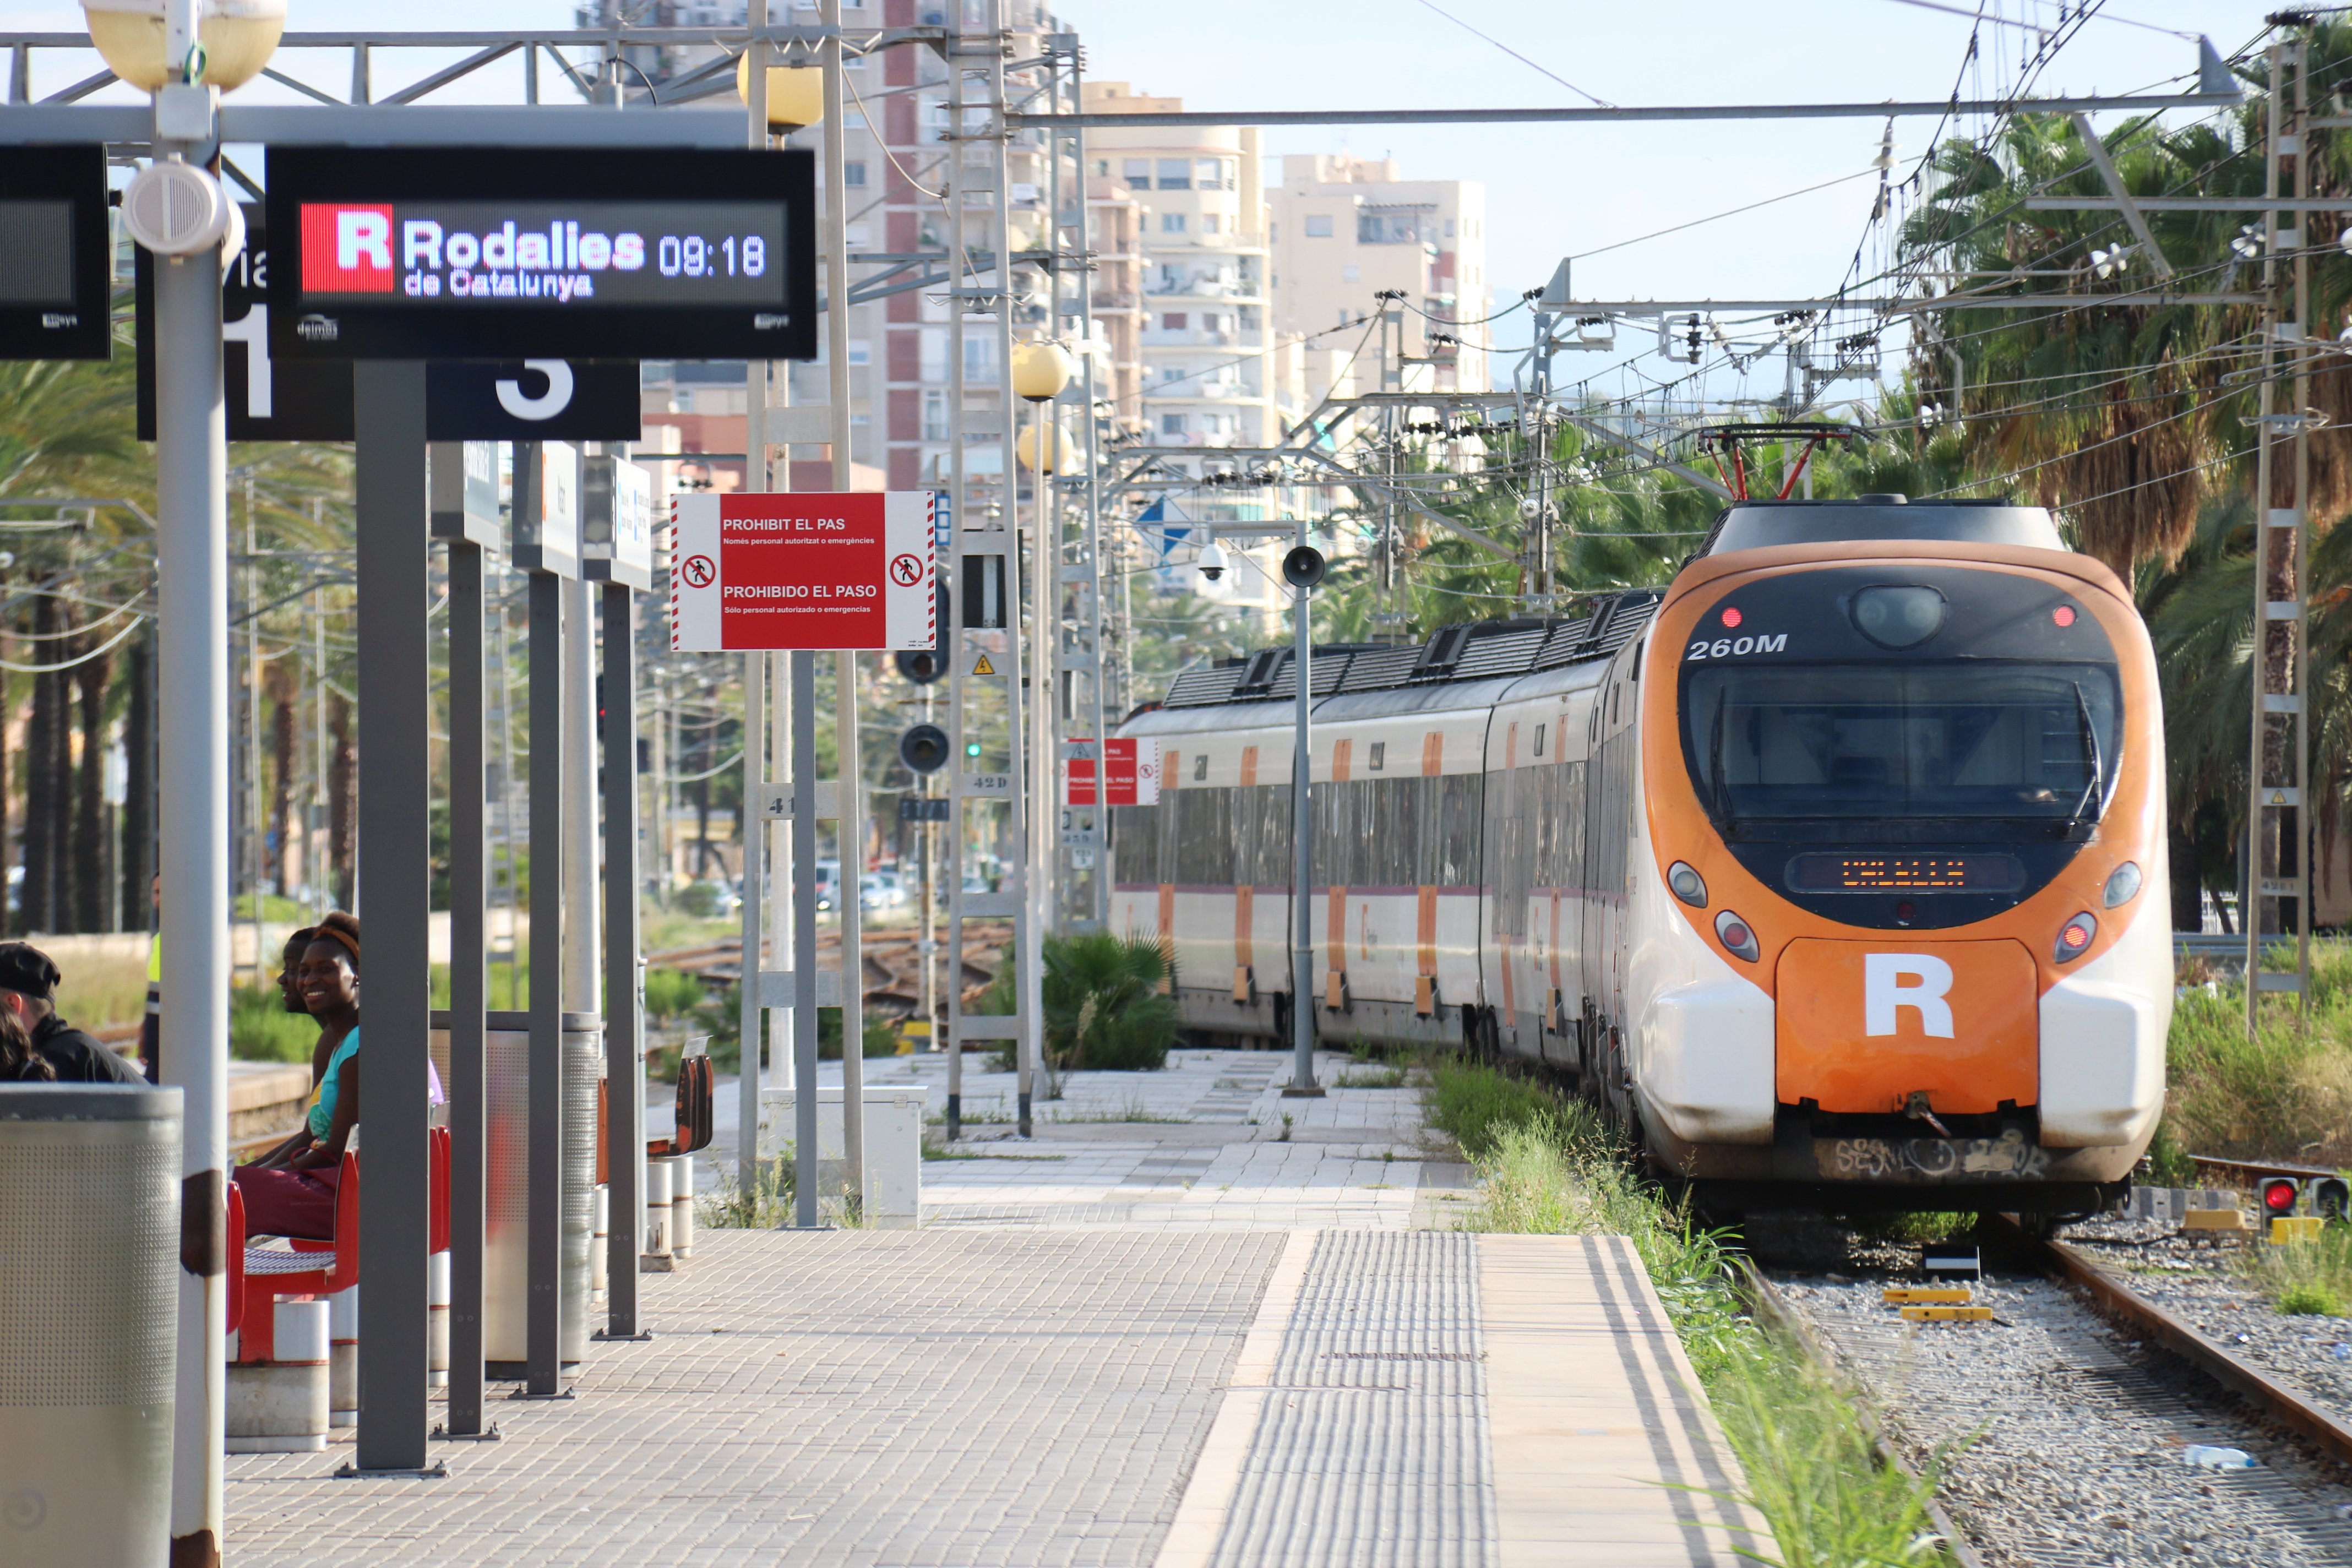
x,y
192,683
395,704
2252,907
850,829
961,610
804,1020
625,1022
1025,688
581,962
468,983
1302,853
543,1320
750,1014
1098,721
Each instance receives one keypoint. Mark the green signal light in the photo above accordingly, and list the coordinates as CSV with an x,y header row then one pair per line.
x,y
971,748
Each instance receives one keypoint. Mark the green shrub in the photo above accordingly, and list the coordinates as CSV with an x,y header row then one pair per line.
x,y
2287,1092
703,901
262,1030
879,1030
1103,1009
2310,1300
1476,1104
670,992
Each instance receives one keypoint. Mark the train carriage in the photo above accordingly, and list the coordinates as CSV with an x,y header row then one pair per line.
x,y
1836,872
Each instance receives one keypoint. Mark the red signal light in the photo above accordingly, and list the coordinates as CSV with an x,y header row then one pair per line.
x,y
2279,1194
1731,616
1736,935
2063,615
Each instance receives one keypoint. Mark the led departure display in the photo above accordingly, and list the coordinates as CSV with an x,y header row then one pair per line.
x,y
494,253
55,265
1877,873
583,254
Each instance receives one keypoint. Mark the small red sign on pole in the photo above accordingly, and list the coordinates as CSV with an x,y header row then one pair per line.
x,y
1130,768
811,570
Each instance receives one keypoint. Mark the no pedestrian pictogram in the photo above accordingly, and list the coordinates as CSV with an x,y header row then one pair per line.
x,y
906,571
700,571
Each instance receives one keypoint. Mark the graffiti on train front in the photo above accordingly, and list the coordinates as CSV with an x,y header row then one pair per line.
x,y
2006,1158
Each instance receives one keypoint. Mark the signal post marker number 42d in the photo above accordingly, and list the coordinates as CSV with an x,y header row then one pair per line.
x,y
805,570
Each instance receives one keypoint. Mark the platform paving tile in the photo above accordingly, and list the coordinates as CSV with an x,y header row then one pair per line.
x,y
1191,1323
885,1400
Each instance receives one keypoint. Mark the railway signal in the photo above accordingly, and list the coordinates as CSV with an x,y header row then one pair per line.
x,y
2331,1198
924,748
2279,1196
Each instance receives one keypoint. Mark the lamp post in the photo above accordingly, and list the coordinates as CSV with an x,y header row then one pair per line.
x,y
185,52
1040,371
1302,569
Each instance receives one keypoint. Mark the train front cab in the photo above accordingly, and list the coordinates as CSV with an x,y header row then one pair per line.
x,y
1897,921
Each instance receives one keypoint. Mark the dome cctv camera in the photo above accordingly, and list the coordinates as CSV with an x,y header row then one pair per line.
x,y
1212,559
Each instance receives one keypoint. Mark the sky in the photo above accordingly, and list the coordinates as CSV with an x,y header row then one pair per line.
x,y
1555,191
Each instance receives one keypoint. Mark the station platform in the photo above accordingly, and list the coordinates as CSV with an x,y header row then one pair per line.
x,y
1069,1365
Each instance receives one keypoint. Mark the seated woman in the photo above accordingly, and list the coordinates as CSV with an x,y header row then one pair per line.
x,y
290,1191
291,998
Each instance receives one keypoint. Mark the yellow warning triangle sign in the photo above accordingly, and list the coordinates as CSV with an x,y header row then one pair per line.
x,y
983,667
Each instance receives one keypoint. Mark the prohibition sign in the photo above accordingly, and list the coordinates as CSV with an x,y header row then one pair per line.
x,y
906,571
700,571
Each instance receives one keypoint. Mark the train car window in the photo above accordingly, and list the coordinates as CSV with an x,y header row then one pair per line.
x,y
1539,740
1200,766
1205,839
1135,845
1378,757
1459,799
1978,740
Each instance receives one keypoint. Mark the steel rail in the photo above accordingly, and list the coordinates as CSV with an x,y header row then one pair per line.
x,y
1767,1301
2111,1298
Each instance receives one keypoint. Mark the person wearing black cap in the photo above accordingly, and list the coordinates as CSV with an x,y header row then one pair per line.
x,y
28,989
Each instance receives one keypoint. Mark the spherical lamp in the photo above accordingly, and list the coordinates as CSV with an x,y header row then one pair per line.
x,y
795,93
238,37
1061,453
1040,371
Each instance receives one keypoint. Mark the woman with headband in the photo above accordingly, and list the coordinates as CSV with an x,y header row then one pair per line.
x,y
291,1192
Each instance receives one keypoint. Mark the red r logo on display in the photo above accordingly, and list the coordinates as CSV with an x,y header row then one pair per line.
x,y
701,572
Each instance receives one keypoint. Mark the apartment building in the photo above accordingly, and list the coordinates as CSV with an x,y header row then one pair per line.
x,y
1343,228
900,341
1194,204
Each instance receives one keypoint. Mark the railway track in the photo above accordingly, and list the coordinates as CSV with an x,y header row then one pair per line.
x,y
2063,1429
892,961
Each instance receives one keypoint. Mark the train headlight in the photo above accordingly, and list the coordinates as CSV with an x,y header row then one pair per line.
x,y
1736,935
2279,1194
2123,884
1899,617
1687,884
2075,938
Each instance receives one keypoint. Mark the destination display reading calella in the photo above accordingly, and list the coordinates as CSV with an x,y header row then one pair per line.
x,y
560,255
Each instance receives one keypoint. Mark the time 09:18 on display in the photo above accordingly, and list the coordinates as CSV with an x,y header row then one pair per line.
x,y
692,256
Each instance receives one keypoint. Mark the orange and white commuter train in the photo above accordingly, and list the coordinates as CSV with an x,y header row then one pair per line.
x,y
1836,872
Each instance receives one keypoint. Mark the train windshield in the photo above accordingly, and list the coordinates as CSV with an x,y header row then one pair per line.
x,y
1978,740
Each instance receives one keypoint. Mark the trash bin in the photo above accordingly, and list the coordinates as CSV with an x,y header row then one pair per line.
x,y
506,1069
89,1292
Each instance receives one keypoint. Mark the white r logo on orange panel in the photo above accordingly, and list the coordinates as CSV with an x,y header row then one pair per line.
x,y
1892,981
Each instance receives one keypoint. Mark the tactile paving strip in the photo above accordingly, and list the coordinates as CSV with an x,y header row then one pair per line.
x,y
1372,1450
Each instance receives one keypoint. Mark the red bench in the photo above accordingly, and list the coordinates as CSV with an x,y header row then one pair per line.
x,y
258,1276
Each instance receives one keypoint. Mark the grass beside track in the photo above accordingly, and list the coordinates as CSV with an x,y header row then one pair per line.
x,y
1550,1167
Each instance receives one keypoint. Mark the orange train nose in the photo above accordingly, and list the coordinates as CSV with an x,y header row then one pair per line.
x,y
1861,1024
